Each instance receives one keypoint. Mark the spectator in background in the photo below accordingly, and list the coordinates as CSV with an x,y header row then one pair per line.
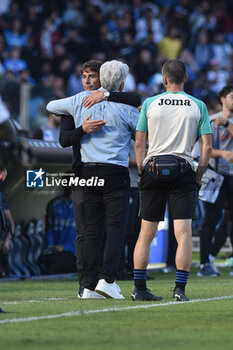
x,y
40,94
73,16
65,69
5,243
15,63
217,77
104,42
222,231
32,20
11,93
130,82
202,17
222,161
49,24
222,52
60,234
4,229
171,45
191,67
149,23
48,37
3,50
75,45
202,50
144,68
31,55
7,133
156,80
49,132
74,84
15,36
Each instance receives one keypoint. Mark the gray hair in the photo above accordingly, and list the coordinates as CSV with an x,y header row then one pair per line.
x,y
113,74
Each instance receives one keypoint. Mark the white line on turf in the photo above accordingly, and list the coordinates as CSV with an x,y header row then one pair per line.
x,y
128,308
33,301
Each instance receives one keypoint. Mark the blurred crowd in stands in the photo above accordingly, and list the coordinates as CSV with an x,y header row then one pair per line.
x,y
44,43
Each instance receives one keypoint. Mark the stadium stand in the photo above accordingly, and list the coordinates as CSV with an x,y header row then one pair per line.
x,y
42,44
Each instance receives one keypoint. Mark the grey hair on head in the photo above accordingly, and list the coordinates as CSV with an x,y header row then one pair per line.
x,y
113,74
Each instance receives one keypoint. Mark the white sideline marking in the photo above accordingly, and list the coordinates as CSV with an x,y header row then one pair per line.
x,y
33,301
89,312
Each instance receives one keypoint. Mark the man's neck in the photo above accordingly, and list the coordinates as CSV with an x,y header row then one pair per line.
x,y
174,87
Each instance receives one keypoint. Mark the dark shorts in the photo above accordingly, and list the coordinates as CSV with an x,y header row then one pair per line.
x,y
181,194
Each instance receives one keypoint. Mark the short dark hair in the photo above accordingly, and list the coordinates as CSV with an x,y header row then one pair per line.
x,y
93,65
174,70
225,91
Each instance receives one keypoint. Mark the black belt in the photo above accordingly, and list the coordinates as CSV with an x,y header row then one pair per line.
x,y
104,164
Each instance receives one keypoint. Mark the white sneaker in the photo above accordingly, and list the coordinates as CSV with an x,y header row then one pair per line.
x,y
109,290
91,294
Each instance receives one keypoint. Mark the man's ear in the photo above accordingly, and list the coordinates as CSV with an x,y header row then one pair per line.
x,y
164,80
121,86
186,78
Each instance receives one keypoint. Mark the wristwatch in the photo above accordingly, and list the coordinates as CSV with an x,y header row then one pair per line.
x,y
106,94
226,124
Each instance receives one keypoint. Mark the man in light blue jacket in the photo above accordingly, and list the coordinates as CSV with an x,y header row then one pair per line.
x,y
105,154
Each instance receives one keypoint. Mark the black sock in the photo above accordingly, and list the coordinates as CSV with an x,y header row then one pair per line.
x,y
140,279
181,279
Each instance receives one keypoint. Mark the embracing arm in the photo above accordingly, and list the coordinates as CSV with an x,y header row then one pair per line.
x,y
119,97
64,106
126,98
69,135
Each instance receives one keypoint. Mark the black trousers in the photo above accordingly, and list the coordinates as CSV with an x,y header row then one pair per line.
x,y
221,235
213,214
80,224
134,225
106,209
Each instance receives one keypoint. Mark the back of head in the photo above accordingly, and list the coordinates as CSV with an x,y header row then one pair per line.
x,y
113,75
175,71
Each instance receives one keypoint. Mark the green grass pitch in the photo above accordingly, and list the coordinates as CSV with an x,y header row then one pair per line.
x,y
48,315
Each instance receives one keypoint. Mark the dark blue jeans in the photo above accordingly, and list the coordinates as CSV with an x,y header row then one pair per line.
x,y
213,214
106,210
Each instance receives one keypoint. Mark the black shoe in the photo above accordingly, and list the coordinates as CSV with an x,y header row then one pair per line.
x,y
80,292
179,295
2,311
144,295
